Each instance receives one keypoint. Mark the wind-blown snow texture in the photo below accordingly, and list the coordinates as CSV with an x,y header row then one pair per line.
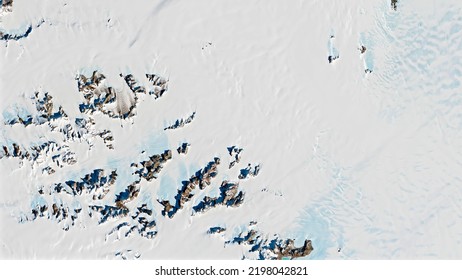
x,y
221,129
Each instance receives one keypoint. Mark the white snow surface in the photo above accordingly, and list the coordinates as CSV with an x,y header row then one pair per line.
x,y
366,165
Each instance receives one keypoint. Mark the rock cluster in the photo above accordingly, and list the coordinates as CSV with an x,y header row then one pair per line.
x,y
287,249
247,238
105,99
41,154
394,4
133,84
183,148
107,137
7,6
333,52
112,102
44,106
160,85
235,154
331,58
249,171
128,255
48,170
107,212
58,211
181,122
130,193
141,222
201,179
275,248
82,129
6,36
229,196
216,230
149,169
90,84
96,183
93,189
12,36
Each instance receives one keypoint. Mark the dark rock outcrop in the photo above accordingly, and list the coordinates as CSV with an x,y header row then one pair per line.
x,y
216,230
107,212
45,114
100,97
331,58
128,255
183,148
59,212
6,36
45,108
129,194
273,249
141,222
235,153
287,249
107,137
201,179
230,196
149,169
133,84
181,122
160,85
333,52
82,129
38,153
7,6
96,184
48,170
249,171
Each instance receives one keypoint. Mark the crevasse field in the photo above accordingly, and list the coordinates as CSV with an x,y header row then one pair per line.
x,y
215,129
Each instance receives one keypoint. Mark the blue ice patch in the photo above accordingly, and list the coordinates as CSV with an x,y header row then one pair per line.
x,y
168,188
155,143
314,226
125,175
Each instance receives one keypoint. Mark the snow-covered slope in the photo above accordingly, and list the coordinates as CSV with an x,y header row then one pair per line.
x,y
208,129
